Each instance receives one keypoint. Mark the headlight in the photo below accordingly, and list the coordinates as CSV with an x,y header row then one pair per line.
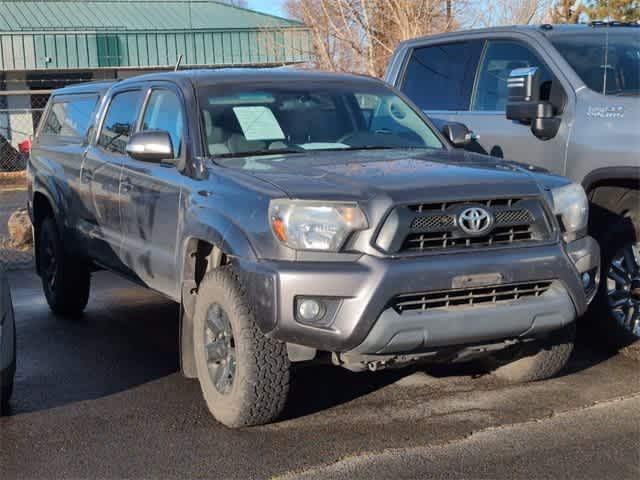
x,y
571,205
314,225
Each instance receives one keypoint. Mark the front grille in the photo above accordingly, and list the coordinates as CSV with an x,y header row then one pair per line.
x,y
493,202
439,222
469,297
498,236
513,216
433,226
435,222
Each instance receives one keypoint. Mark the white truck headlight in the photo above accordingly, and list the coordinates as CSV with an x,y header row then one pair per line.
x,y
571,205
315,225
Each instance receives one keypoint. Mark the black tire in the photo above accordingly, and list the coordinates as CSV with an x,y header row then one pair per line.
x,y
6,388
537,360
260,378
616,227
66,281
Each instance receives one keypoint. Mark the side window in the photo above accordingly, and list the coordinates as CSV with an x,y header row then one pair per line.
x,y
440,77
164,112
69,117
500,58
119,121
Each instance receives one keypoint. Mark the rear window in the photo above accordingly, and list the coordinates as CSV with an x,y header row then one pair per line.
x,y
69,116
607,60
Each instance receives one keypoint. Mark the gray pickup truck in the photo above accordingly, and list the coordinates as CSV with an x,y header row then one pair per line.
x,y
562,97
303,217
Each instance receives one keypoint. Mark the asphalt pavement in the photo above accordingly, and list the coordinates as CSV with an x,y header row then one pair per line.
x,y
101,397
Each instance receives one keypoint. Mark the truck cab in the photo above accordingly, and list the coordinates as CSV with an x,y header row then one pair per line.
x,y
579,118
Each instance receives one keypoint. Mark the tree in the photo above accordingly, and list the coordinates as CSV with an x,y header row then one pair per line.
x,y
566,11
509,12
360,35
613,10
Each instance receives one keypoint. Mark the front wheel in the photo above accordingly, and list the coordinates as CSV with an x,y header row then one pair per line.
x,y
244,375
535,360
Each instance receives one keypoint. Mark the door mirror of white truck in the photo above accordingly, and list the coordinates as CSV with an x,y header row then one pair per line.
x,y
458,134
153,146
526,106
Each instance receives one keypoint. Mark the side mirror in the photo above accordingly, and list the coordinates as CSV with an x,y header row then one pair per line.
x,y
524,104
458,134
152,146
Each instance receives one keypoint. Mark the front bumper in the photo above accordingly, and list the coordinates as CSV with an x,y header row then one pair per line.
x,y
366,323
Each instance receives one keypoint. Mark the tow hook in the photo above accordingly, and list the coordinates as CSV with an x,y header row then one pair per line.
x,y
377,365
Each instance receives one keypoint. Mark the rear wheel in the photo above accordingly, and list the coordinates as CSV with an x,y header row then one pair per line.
x,y
535,360
66,281
244,375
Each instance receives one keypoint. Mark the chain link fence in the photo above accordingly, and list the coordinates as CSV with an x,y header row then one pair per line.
x,y
20,113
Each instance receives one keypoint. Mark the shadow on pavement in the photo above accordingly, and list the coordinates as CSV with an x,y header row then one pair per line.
x,y
126,338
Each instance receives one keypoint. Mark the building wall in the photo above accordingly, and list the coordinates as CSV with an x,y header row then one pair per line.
x,y
87,49
16,112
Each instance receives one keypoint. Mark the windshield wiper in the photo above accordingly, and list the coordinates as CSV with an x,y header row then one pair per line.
x,y
258,153
364,147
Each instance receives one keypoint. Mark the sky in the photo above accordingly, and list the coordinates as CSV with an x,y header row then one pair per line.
x,y
274,7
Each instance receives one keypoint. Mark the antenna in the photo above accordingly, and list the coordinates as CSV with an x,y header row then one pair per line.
x,y
177,67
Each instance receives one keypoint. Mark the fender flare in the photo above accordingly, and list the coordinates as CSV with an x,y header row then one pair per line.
x,y
610,174
45,189
222,234
42,188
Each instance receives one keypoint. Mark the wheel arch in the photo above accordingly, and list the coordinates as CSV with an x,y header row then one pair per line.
x,y
203,251
626,177
42,207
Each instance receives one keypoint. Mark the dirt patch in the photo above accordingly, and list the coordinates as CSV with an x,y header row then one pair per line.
x,y
20,229
13,180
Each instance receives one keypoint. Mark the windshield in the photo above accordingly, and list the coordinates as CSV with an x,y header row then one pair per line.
x,y
264,119
607,60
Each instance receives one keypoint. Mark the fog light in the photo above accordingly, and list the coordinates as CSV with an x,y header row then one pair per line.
x,y
310,310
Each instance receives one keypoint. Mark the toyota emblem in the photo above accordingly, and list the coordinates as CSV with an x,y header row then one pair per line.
x,y
475,220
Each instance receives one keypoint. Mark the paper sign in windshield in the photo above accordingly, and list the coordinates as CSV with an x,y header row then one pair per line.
x,y
258,123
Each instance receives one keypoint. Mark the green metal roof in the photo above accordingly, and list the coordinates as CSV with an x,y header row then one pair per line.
x,y
42,35
131,15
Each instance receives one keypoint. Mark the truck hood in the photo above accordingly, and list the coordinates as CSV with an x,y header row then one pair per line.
x,y
402,175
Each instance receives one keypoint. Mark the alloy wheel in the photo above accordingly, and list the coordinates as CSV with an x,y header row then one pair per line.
x,y
623,288
49,264
220,348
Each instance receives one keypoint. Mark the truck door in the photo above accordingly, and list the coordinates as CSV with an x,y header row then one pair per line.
x,y
439,78
150,196
486,116
100,177
466,81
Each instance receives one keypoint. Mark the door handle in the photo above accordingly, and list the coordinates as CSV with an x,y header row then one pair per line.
x,y
86,176
126,186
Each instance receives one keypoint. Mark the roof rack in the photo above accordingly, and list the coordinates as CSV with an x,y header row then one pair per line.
x,y
600,23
